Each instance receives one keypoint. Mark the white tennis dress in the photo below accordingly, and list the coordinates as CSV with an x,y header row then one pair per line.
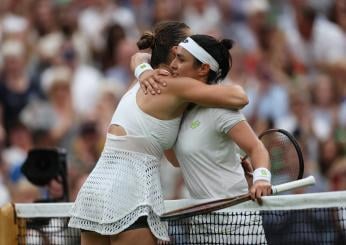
x,y
125,183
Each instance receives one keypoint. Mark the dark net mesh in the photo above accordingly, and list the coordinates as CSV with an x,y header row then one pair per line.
x,y
303,226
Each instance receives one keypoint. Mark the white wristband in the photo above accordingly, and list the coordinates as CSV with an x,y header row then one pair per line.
x,y
142,68
261,174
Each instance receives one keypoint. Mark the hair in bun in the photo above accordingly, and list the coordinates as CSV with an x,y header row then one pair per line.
x,y
227,43
146,41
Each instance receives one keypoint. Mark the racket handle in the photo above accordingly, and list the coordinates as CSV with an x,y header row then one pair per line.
x,y
293,185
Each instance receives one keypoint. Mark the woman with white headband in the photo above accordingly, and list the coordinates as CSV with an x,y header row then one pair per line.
x,y
121,200
213,154
210,162
207,145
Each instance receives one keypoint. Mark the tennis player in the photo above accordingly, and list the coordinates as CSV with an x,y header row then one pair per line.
x,y
210,163
121,200
207,146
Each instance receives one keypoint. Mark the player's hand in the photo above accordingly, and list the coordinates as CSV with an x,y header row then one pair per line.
x,y
151,81
260,188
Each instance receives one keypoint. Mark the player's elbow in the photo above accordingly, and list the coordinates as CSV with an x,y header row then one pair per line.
x,y
243,101
239,98
240,101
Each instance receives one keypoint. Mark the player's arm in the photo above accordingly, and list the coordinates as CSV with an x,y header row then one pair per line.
x,y
230,96
246,139
145,74
171,157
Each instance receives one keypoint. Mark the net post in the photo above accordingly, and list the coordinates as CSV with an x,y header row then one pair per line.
x,y
8,227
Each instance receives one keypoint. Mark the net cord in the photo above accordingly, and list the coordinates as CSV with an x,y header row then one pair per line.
x,y
279,202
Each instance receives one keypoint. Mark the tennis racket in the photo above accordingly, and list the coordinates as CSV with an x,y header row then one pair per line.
x,y
218,204
286,158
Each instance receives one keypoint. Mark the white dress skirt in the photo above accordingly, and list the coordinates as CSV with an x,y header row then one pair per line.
x,y
124,185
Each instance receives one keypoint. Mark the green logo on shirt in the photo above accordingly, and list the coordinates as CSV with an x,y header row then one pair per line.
x,y
195,124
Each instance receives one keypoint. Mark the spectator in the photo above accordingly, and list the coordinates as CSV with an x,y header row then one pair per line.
x,y
68,24
337,175
202,16
16,88
121,71
85,80
325,107
113,35
314,40
337,14
44,17
57,115
166,10
20,142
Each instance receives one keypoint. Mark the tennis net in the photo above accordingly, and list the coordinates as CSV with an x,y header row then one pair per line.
x,y
315,218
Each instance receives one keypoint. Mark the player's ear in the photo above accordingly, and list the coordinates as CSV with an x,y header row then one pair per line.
x,y
204,69
174,50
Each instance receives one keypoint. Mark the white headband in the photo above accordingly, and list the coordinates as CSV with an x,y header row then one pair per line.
x,y
199,53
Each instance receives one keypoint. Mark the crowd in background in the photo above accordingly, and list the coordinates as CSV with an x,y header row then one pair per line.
x,y
64,65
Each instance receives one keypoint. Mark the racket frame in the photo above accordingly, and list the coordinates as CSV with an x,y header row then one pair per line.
x,y
295,144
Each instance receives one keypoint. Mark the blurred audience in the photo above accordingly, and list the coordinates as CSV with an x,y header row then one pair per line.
x,y
64,64
337,175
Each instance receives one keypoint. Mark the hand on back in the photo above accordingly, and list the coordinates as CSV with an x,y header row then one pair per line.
x,y
152,81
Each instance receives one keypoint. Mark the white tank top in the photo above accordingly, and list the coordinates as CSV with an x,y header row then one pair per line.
x,y
138,123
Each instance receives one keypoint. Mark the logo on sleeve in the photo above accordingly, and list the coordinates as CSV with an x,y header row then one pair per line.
x,y
195,124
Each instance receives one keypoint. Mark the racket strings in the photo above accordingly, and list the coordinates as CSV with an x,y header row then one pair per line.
x,y
283,156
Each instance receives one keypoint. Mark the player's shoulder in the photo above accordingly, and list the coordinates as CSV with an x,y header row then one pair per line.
x,y
224,111
213,113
